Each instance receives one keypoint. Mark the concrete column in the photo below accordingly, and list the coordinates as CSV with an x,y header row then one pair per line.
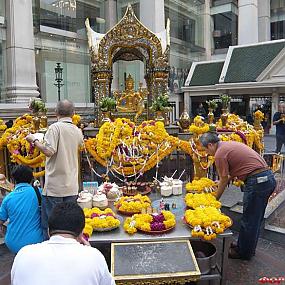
x,y
153,17
208,33
247,22
152,14
110,13
274,107
21,69
111,21
188,103
264,20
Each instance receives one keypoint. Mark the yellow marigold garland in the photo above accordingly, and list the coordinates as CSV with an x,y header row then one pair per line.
x,y
133,204
101,219
201,199
20,149
207,222
143,222
201,185
150,139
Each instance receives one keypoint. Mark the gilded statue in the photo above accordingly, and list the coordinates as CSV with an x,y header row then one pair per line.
x,y
129,100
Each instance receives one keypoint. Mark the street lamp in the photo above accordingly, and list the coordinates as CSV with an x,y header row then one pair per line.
x,y
58,78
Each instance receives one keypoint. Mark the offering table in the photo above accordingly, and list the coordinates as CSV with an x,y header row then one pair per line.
x,y
181,232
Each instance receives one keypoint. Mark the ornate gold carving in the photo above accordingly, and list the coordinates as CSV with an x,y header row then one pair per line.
x,y
129,100
128,40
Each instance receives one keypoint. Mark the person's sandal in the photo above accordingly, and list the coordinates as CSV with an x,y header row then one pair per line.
x,y
233,254
234,244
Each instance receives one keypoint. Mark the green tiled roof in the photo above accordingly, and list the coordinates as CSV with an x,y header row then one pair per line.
x,y
247,63
206,74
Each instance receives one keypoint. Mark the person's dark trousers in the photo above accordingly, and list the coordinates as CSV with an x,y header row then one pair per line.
x,y
255,199
48,204
280,140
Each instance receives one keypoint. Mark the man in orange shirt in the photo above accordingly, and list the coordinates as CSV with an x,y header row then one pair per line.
x,y
234,159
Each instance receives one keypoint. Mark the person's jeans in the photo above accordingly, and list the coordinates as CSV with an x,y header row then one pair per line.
x,y
255,199
280,140
48,203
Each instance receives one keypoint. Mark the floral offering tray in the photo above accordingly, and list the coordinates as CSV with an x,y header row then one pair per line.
x,y
156,232
127,213
105,229
191,227
110,228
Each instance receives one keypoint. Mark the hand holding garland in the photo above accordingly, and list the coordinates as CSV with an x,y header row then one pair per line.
x,y
44,149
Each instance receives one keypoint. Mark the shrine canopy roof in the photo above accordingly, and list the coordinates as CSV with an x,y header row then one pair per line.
x,y
245,64
95,39
206,73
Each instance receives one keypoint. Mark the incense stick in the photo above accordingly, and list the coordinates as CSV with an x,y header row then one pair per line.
x,y
181,174
173,173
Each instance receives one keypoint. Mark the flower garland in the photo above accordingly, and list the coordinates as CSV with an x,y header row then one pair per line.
x,y
201,185
21,151
201,200
132,204
76,119
3,127
199,126
150,222
130,150
99,219
253,138
258,115
207,222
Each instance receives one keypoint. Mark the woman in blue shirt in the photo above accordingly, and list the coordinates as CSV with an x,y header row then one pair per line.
x,y
21,207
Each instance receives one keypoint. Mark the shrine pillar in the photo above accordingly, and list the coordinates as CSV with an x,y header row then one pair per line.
x,y
274,108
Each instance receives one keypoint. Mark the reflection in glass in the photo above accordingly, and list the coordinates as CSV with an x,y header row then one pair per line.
x,y
277,19
1,65
70,15
225,30
2,8
60,36
187,42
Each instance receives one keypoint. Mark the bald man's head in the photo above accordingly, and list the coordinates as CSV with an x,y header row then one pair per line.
x,y
64,108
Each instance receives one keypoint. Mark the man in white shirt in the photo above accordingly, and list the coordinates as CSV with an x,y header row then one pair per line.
x,y
66,258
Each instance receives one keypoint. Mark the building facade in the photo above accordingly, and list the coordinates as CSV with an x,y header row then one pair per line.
x,y
36,34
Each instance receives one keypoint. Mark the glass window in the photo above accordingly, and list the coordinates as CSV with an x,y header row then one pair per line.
x,y
2,46
122,7
222,2
60,36
277,19
225,30
2,66
2,8
70,15
187,38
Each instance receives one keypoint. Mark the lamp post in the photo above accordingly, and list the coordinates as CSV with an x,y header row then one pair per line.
x,y
58,78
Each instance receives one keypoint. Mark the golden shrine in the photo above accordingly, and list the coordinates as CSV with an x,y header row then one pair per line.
x,y
129,40
131,101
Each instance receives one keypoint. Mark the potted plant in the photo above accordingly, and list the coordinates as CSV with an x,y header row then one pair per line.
x,y
107,105
212,106
160,106
225,100
39,110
